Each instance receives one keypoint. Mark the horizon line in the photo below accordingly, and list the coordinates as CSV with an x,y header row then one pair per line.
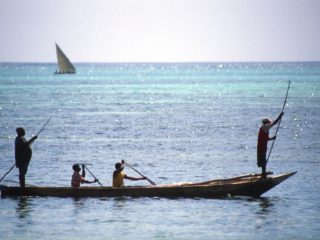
x,y
161,62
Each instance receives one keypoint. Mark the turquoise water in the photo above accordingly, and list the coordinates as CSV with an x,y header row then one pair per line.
x,y
175,123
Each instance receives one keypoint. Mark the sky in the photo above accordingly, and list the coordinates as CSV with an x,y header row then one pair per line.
x,y
160,30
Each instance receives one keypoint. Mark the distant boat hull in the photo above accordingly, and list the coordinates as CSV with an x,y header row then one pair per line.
x,y
67,72
247,185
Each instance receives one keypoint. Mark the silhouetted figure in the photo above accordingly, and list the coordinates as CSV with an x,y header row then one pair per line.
x,y
23,154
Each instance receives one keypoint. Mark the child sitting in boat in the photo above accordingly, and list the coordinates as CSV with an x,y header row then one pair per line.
x,y
78,179
119,175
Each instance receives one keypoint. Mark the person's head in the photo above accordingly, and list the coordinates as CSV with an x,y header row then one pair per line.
x,y
266,121
118,166
76,167
20,131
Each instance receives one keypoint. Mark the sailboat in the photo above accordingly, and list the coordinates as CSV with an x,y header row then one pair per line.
x,y
64,64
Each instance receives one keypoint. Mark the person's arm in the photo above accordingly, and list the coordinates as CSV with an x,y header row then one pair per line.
x,y
83,171
21,144
278,119
134,178
87,181
83,180
274,123
273,138
32,139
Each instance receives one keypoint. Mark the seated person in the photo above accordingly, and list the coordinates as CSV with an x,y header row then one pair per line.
x,y
78,179
119,175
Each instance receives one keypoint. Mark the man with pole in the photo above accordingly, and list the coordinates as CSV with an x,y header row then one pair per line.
x,y
263,138
23,154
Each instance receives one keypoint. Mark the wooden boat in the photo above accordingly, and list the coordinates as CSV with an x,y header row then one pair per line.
x,y
64,64
247,185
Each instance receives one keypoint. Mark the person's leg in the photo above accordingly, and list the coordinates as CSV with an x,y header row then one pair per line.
x,y
264,174
264,165
262,162
22,173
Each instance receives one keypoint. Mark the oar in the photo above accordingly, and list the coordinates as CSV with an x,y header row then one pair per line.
x,y
25,150
284,104
149,180
93,175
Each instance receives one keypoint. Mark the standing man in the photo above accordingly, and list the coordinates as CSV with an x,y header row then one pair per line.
x,y
23,154
263,138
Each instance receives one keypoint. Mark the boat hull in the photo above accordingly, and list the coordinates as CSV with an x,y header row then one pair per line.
x,y
245,186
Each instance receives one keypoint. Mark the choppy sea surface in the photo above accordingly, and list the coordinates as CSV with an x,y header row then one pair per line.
x,y
174,122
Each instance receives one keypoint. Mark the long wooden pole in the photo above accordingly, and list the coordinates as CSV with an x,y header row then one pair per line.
x,y
284,104
7,172
149,180
44,125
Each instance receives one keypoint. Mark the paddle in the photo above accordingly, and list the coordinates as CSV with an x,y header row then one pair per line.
x,y
149,180
26,150
92,175
284,104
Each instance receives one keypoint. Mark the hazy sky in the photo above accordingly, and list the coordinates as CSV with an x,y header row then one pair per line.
x,y
160,30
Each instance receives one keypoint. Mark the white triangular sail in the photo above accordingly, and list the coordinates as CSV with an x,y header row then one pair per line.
x,y
65,66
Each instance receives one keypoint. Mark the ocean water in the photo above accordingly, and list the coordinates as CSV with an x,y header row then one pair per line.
x,y
175,123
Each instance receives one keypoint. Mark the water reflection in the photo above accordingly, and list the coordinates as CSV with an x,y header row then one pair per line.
x,y
265,204
120,202
264,212
78,202
23,209
79,205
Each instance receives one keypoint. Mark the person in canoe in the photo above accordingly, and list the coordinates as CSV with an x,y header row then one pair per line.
x,y
23,154
263,138
78,178
119,175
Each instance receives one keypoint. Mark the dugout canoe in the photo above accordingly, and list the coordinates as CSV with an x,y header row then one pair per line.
x,y
247,185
